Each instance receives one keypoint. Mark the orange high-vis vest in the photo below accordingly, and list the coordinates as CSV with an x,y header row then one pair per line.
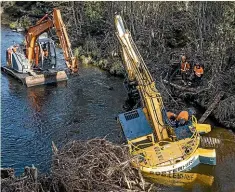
x,y
9,59
183,115
198,71
45,53
185,66
170,114
36,55
14,49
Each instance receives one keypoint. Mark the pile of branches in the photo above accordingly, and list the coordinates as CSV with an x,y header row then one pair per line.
x,y
95,165
27,182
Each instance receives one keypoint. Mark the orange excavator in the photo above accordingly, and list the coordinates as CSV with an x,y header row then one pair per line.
x,y
35,62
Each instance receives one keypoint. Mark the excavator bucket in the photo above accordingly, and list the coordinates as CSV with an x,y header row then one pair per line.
x,y
45,78
74,66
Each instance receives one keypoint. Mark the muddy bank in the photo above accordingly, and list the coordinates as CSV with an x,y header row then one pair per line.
x,y
111,64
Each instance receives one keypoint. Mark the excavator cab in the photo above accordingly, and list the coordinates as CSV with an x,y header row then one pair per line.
x,y
44,56
47,54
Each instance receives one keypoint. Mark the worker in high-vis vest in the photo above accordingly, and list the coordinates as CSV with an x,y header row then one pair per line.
x,y
9,57
37,53
45,53
172,117
15,47
198,73
184,69
183,117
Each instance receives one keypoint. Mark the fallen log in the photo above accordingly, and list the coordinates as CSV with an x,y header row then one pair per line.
x,y
211,107
188,90
183,88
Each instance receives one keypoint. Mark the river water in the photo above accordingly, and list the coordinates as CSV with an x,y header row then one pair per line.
x,y
32,118
82,108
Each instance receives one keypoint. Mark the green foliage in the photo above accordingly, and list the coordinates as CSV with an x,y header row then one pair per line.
x,y
39,12
91,47
22,22
117,68
86,60
13,25
94,11
25,22
77,51
103,64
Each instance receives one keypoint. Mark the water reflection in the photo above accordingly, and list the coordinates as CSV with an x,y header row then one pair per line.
x,y
186,180
38,95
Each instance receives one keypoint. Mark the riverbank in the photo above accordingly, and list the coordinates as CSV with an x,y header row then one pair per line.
x,y
113,65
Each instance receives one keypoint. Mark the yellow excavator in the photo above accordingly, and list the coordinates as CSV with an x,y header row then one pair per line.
x,y
35,62
157,146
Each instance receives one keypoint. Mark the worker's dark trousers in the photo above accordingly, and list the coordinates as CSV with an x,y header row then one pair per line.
x,y
184,76
197,80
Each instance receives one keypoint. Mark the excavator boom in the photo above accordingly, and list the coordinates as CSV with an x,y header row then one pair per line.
x,y
32,35
137,70
158,145
34,63
44,25
61,32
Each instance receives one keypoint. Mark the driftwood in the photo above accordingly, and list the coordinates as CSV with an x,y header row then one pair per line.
x,y
96,165
93,165
25,183
182,88
211,107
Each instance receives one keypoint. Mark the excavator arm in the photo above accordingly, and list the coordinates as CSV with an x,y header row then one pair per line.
x,y
61,32
32,35
44,25
137,70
